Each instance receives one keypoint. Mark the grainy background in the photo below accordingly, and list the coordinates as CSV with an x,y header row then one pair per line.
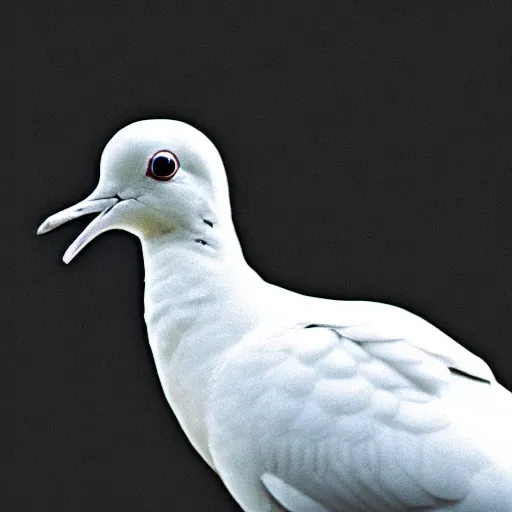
x,y
368,148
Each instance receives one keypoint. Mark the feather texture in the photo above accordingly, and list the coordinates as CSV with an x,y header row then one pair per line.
x,y
351,420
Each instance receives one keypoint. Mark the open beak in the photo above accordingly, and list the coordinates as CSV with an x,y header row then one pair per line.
x,y
109,218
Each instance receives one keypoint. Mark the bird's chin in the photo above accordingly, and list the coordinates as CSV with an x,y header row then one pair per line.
x,y
115,214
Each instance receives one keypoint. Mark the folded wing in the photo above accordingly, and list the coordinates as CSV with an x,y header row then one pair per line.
x,y
351,417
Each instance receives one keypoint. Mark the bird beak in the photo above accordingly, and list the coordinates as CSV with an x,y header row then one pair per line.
x,y
108,219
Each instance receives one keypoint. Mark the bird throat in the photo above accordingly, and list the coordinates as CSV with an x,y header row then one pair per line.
x,y
197,305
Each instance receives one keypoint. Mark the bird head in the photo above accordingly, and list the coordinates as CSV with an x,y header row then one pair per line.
x,y
156,176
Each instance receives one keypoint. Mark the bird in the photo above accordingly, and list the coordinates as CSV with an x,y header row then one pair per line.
x,y
298,403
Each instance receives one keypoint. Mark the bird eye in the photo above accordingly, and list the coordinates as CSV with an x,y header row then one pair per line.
x,y
162,166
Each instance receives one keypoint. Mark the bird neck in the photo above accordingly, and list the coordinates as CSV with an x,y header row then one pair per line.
x,y
187,280
200,300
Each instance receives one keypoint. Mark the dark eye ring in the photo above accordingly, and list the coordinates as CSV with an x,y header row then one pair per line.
x,y
163,165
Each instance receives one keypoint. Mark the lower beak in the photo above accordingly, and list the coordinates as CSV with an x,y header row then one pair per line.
x,y
108,219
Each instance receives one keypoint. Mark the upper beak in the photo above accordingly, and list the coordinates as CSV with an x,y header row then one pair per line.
x,y
108,219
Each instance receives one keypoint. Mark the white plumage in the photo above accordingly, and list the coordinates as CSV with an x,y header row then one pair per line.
x,y
296,402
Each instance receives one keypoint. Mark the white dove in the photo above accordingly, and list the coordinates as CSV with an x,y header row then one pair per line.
x,y
300,403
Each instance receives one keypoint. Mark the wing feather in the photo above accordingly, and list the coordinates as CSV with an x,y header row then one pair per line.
x,y
373,321
352,419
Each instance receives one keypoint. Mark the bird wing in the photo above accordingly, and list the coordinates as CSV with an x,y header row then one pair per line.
x,y
374,321
344,416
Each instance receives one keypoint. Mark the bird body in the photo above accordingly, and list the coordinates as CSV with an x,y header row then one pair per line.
x,y
297,402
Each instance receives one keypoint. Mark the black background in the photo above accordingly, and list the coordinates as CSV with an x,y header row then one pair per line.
x,y
368,149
